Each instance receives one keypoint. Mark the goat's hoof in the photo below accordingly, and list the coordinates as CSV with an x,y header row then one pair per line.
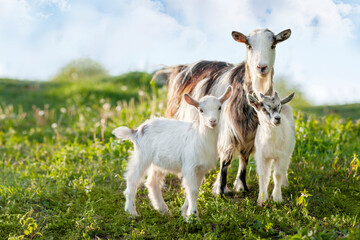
x,y
192,218
238,186
133,213
227,194
278,199
260,202
165,212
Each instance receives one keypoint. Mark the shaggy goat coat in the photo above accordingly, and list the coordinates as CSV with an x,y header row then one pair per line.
x,y
239,121
187,149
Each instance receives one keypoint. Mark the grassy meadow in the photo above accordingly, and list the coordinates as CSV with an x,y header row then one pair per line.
x,y
61,173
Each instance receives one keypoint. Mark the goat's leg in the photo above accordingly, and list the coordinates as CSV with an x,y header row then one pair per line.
x,y
263,168
154,183
240,181
185,207
280,169
134,174
191,182
285,182
220,187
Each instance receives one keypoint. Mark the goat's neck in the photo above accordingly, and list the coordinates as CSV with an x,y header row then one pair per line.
x,y
208,134
266,130
262,85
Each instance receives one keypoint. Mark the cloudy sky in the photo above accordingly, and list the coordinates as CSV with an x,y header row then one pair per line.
x,y
322,55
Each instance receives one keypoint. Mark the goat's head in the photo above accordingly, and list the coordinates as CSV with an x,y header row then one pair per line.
x,y
268,108
209,107
261,45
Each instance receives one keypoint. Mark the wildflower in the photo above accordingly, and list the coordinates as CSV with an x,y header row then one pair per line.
x,y
54,125
106,106
118,108
3,116
124,88
161,105
102,121
141,93
41,113
102,100
63,110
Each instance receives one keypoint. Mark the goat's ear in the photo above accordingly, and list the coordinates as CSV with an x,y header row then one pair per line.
x,y
226,95
282,36
190,100
253,101
287,99
239,37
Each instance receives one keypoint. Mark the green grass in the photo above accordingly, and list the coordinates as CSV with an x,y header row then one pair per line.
x,y
350,111
61,171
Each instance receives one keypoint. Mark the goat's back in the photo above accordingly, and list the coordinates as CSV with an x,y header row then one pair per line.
x,y
173,144
238,120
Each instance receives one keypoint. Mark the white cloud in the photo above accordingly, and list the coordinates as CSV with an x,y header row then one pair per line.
x,y
39,38
61,4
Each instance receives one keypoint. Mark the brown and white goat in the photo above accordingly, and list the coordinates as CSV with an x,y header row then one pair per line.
x,y
239,120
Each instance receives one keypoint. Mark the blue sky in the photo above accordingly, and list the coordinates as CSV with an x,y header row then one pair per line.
x,y
38,37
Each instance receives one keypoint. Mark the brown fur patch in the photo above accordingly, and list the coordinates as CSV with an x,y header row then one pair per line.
x,y
189,77
244,116
241,112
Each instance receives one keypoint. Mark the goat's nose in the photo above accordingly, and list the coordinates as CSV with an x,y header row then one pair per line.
x,y
212,120
278,119
262,67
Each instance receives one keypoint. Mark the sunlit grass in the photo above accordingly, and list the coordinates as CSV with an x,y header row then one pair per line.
x,y
61,174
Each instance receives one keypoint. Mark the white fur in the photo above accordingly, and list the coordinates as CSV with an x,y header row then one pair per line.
x,y
162,145
260,54
274,146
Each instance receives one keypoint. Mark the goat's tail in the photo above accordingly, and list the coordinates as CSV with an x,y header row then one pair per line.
x,y
124,133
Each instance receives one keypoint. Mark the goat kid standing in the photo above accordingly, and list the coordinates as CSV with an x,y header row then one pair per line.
x,y
274,142
162,145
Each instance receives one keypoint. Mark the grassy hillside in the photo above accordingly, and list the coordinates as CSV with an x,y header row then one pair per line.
x,y
61,171
351,111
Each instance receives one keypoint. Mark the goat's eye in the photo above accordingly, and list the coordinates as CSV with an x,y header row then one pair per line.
x,y
273,46
201,110
219,108
249,46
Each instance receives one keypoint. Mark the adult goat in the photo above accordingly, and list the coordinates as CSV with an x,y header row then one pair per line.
x,y
239,120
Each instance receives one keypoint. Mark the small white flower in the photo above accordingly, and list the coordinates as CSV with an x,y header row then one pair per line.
x,y
97,124
41,113
102,101
118,108
54,125
3,116
63,110
141,93
124,88
106,106
88,109
161,105
102,121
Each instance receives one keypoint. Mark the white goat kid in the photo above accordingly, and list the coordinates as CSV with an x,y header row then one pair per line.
x,y
274,142
162,145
